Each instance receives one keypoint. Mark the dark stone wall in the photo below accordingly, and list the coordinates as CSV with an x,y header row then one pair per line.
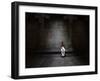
x,y
45,32
80,35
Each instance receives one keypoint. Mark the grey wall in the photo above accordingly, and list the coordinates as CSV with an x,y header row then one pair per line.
x,y
45,32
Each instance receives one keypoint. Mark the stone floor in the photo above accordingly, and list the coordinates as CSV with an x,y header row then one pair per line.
x,y
55,60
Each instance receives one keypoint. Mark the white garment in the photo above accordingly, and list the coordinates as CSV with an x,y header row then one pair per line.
x,y
62,51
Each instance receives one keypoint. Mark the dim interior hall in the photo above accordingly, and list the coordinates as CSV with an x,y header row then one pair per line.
x,y
47,33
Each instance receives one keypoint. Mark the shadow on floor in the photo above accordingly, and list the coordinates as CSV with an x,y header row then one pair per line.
x,y
55,60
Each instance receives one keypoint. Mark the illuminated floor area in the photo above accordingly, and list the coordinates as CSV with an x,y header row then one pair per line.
x,y
54,60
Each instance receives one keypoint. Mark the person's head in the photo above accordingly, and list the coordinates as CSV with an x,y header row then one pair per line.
x,y
62,44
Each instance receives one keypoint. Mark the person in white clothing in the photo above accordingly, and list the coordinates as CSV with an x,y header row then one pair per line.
x,y
62,50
